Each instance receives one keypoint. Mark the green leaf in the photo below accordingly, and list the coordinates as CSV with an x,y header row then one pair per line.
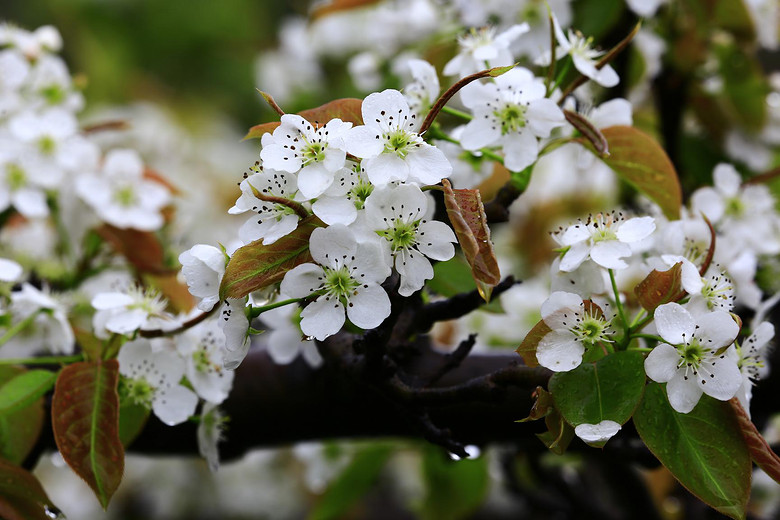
x,y
353,483
703,449
454,277
659,287
24,389
347,109
21,495
467,215
744,87
596,17
255,265
607,390
85,420
132,418
499,71
639,160
19,430
453,489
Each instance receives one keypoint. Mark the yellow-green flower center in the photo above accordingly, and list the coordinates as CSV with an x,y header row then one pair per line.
x,y
512,118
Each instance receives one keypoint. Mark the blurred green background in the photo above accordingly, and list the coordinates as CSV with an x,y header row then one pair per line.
x,y
186,54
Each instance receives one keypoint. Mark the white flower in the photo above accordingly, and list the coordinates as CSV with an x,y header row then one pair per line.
x,y
751,361
583,56
390,148
286,341
348,277
210,427
482,49
315,152
235,327
597,433
511,112
424,90
575,327
692,360
713,291
48,329
398,216
202,348
645,8
121,196
153,381
342,200
605,238
274,219
203,267
126,312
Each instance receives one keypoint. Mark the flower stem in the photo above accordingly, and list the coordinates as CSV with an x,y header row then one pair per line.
x,y
618,303
647,336
48,360
16,329
257,311
457,113
157,333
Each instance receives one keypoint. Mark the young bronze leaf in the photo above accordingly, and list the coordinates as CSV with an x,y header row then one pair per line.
x,y
85,420
334,6
141,248
19,430
659,287
559,433
347,109
467,215
543,406
21,495
255,265
527,348
639,160
759,449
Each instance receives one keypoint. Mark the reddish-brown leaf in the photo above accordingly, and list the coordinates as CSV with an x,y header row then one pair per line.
x,y
334,6
19,430
589,132
467,215
347,109
21,495
543,405
639,160
759,449
255,265
179,298
659,287
142,249
85,420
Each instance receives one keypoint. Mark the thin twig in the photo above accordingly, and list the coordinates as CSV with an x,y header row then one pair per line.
x,y
454,358
158,333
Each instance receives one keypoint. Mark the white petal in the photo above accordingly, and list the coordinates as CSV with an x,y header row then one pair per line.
x,y
520,149
690,278
480,132
302,280
364,141
718,327
543,115
313,180
600,432
10,271
332,245
635,229
724,378
174,405
377,107
385,168
281,158
574,257
683,394
335,210
559,351
608,253
322,318
414,269
435,240
560,300
369,307
661,363
708,201
428,164
726,179
674,323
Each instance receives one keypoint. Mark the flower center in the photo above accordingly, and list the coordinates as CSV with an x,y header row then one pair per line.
x,y
125,196
402,235
735,207
15,177
398,142
138,391
339,283
314,152
717,291
591,329
691,353
360,193
512,118
53,94
47,145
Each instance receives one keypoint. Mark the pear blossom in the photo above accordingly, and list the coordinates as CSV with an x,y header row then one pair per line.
x,y
152,380
314,152
574,327
235,327
424,90
713,291
751,361
511,112
203,267
129,311
48,329
582,54
340,203
347,278
693,359
121,196
285,340
604,238
482,49
274,219
398,215
20,186
10,271
210,434
203,348
389,146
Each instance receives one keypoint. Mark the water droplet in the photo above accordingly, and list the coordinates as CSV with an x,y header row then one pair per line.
x,y
472,450
54,513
